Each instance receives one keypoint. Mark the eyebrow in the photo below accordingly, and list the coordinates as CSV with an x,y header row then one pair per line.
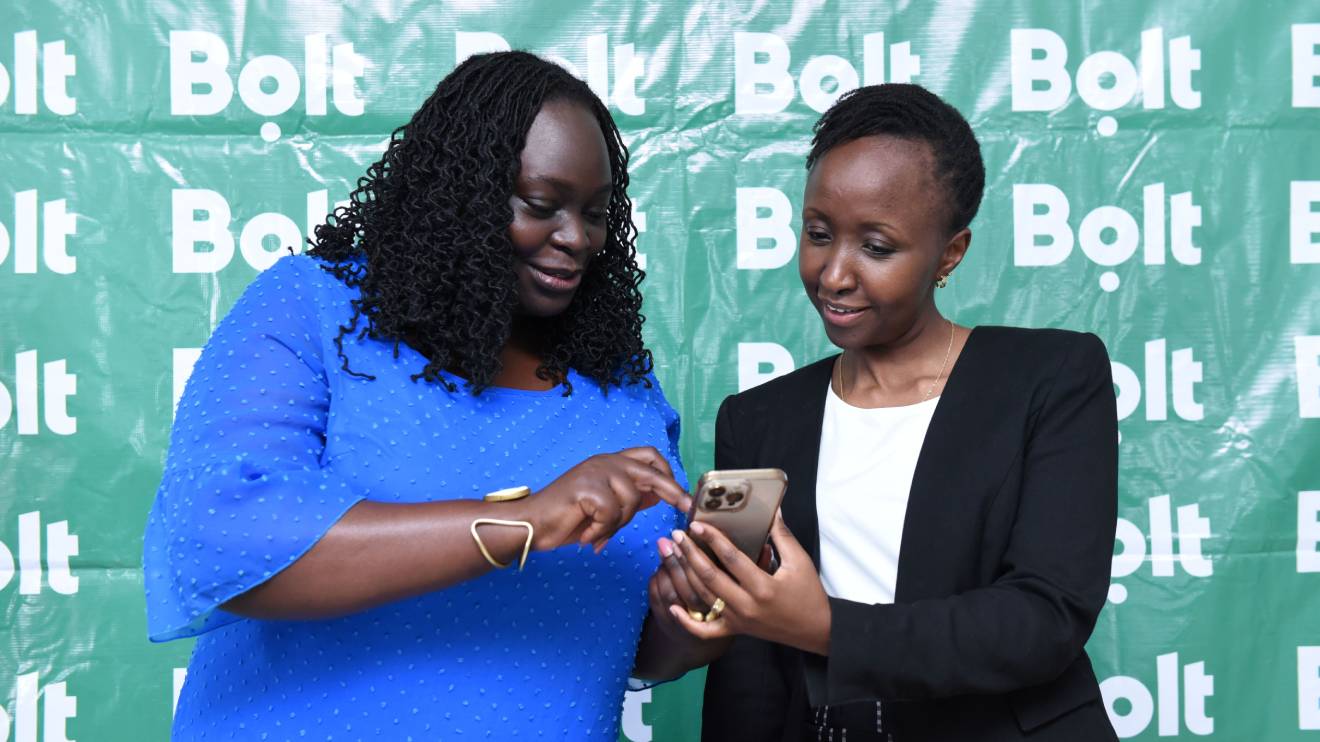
x,y
562,185
814,213
882,226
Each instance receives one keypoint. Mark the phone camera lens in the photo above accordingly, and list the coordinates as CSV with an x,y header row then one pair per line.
x,y
717,491
733,498
713,503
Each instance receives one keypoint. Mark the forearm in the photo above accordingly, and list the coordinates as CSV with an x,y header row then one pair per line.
x,y
662,655
985,641
383,552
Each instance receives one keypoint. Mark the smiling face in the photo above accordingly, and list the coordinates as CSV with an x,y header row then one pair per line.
x,y
560,201
875,237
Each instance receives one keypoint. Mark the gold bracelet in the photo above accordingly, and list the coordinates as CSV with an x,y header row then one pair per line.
x,y
527,546
508,494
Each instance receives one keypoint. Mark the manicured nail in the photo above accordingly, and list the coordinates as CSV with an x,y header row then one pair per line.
x,y
666,547
678,536
698,529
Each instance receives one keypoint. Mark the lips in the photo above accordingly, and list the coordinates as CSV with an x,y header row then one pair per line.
x,y
841,315
556,278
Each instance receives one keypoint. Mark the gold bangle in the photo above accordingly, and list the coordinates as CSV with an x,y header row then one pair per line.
x,y
508,494
527,546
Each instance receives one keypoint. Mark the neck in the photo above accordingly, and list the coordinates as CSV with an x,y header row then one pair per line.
x,y
902,371
521,356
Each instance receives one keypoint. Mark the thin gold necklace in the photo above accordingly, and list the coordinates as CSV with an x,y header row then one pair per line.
x,y
838,369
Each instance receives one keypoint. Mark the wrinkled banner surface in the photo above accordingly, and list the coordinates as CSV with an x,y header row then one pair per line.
x,y
1153,176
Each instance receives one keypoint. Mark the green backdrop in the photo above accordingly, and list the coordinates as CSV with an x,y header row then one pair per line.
x,y
1153,176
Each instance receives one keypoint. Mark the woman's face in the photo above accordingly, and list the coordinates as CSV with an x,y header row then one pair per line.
x,y
874,239
560,202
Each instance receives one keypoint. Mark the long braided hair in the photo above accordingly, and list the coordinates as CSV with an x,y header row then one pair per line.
x,y
425,236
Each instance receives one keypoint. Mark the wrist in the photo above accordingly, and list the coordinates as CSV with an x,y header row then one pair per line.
x,y
819,639
527,510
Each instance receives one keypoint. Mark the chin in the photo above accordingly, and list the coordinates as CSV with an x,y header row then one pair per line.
x,y
534,303
851,338
541,311
541,307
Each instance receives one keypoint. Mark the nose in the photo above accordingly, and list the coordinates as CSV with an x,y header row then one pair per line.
x,y
571,234
836,274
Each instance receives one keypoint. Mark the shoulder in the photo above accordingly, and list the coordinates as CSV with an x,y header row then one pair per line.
x,y
293,280
302,286
294,301
1042,349
1039,342
642,392
647,392
1042,364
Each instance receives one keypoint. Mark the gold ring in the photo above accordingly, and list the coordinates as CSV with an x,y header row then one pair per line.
x,y
716,609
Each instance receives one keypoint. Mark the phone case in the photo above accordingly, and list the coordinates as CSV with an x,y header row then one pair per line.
x,y
741,503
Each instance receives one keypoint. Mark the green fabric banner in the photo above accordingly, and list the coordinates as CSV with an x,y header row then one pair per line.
x,y
1153,176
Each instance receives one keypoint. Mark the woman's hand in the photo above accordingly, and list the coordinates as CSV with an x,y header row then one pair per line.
x,y
666,650
593,500
789,607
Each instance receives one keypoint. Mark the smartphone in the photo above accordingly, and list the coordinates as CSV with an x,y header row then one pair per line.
x,y
741,503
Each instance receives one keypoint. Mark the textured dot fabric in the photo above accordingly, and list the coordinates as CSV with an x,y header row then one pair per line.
x,y
273,441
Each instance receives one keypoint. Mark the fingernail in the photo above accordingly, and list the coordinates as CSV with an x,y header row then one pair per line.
x,y
678,536
666,547
697,528
675,611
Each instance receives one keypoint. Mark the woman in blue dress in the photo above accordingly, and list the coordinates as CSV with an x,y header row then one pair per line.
x,y
469,324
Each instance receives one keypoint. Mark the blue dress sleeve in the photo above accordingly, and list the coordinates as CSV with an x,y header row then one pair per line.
x,y
244,491
673,428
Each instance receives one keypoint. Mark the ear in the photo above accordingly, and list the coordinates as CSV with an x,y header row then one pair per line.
x,y
954,250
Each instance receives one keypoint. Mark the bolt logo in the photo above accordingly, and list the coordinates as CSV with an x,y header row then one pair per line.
x,y
629,66
634,727
1192,529
20,80
1166,375
1306,350
58,224
1108,235
202,217
1106,80
1304,221
60,545
1308,531
57,707
200,84
31,396
1305,65
1308,688
764,217
762,83
761,362
1175,699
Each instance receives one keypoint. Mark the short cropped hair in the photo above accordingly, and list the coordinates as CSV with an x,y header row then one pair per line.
x,y
911,112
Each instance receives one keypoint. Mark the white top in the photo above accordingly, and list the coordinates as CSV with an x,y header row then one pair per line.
x,y
867,459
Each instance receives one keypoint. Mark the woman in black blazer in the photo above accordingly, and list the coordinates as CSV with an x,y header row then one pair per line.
x,y
1006,535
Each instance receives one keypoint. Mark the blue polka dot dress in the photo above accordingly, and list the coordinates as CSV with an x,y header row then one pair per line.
x,y
273,441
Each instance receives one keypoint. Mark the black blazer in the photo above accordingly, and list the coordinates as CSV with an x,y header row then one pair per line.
x,y
1003,567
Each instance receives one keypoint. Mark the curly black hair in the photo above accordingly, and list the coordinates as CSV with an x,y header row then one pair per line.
x,y
911,112
425,236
